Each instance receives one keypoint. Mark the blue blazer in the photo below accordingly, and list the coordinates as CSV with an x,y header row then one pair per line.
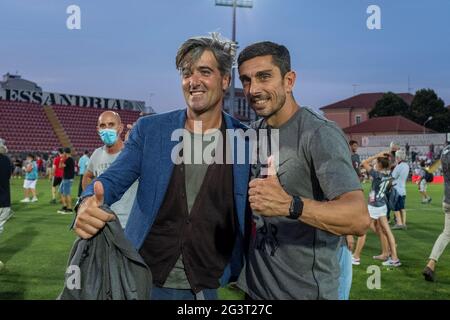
x,y
147,156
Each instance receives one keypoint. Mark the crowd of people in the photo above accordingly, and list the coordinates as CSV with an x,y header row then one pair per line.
x,y
281,228
388,172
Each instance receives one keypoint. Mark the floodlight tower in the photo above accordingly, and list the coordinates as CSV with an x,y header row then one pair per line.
x,y
234,4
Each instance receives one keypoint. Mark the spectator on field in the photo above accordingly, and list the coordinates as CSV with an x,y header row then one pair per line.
x,y
443,240
40,164
356,160
49,167
378,207
400,175
31,177
17,168
57,175
109,128
82,167
68,165
413,155
422,183
6,169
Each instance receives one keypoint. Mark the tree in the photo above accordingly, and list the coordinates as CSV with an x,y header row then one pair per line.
x,y
426,103
389,105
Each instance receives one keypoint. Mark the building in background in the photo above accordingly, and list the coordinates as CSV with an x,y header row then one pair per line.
x,y
355,110
384,126
243,111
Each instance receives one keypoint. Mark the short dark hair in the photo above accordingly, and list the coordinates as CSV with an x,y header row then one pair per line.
x,y
86,152
422,163
31,156
352,142
67,150
60,150
280,55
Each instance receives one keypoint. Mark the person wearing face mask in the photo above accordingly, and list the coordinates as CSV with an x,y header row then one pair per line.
x,y
109,128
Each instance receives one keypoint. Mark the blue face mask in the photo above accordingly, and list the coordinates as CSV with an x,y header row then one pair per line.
x,y
108,136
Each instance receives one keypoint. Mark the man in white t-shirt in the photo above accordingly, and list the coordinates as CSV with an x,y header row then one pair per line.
x,y
110,128
400,175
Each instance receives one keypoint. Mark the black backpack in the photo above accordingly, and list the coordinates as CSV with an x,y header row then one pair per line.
x,y
428,176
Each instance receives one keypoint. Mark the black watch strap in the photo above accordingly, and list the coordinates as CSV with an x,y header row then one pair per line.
x,y
296,209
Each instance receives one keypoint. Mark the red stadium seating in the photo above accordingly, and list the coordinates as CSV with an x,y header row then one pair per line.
x,y
80,125
25,128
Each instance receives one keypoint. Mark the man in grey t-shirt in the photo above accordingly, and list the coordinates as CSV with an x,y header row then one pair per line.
x,y
356,160
110,127
315,196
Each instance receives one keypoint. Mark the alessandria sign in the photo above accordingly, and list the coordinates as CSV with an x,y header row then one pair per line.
x,y
50,98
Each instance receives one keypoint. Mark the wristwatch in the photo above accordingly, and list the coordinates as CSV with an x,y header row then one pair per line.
x,y
296,208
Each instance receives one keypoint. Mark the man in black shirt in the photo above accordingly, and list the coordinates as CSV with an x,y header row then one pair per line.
x,y
6,169
65,188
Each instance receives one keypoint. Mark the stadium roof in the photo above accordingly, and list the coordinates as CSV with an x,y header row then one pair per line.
x,y
365,100
386,124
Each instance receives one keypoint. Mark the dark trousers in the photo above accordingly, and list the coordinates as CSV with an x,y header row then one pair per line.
x,y
80,189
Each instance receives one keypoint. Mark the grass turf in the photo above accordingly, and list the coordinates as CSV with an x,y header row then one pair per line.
x,y
36,241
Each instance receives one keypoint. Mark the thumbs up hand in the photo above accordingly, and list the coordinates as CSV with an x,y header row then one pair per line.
x,y
90,218
266,196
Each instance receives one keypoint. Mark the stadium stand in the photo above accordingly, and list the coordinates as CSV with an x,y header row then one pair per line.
x,y
80,124
25,127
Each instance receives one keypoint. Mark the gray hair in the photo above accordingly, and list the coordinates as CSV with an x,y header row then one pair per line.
x,y
400,154
224,51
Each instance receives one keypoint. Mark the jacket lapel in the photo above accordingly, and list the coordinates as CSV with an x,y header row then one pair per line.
x,y
241,172
165,167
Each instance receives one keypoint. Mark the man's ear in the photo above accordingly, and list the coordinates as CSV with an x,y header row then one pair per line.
x,y
226,81
120,129
289,81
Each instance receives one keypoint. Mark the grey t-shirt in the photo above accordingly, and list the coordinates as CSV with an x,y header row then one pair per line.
x,y
99,162
356,161
289,259
380,184
194,175
445,162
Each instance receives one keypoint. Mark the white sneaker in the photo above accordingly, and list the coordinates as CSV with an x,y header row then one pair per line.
x,y
356,262
35,199
392,263
26,200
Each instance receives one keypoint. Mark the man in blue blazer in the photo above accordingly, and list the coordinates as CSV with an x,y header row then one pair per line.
x,y
188,219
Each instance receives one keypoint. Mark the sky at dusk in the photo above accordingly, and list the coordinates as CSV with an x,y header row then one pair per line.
x,y
126,49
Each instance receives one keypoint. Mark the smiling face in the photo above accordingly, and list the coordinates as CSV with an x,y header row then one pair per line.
x,y
203,84
264,87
